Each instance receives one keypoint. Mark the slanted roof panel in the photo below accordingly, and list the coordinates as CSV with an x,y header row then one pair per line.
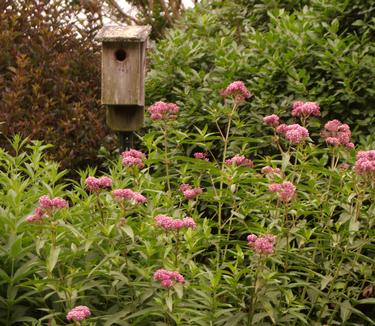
x,y
123,33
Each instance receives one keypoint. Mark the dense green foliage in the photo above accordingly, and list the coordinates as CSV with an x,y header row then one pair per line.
x,y
50,79
102,253
317,50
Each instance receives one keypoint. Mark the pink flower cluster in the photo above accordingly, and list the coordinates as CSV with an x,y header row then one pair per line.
x,y
201,156
336,133
238,90
240,160
285,191
95,184
163,111
295,133
305,109
46,205
128,194
272,120
169,224
269,170
189,192
263,244
133,157
365,163
168,278
78,313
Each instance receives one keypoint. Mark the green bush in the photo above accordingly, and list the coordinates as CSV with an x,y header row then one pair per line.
x,y
50,79
317,50
102,253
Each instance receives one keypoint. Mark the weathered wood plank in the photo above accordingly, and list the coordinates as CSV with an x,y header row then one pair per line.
x,y
125,117
122,81
123,33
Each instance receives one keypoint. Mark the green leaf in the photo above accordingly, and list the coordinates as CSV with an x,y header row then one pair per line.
x,y
169,303
53,258
128,230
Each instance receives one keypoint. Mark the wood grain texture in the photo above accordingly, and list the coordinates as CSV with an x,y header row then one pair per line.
x,y
125,117
122,81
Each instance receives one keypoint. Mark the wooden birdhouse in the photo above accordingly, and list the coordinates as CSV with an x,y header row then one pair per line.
x,y
123,75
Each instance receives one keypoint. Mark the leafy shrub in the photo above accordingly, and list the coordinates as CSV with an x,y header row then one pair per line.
x,y
50,79
292,246
320,50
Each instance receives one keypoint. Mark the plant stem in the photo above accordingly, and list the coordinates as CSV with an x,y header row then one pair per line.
x,y
177,248
286,226
100,207
165,131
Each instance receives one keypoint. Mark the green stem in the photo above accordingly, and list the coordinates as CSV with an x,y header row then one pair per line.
x,y
286,226
100,207
165,131
177,248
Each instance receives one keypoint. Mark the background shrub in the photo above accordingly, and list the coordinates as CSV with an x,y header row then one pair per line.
x,y
50,79
317,50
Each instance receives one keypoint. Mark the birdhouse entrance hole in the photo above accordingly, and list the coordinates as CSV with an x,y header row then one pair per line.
x,y
120,55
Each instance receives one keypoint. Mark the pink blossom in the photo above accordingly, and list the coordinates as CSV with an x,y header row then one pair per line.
x,y
272,120
269,170
240,160
46,206
78,313
336,133
295,133
37,216
263,244
281,129
59,203
168,278
365,163
133,157
201,156
238,90
163,111
169,224
46,202
286,191
305,109
128,194
274,187
95,184
189,192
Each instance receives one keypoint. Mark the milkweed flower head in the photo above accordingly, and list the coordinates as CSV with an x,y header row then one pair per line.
x,y
238,90
168,278
163,111
294,133
128,194
46,207
190,192
336,133
270,171
132,157
78,313
365,163
168,223
95,184
201,156
305,109
272,120
263,244
286,191
240,160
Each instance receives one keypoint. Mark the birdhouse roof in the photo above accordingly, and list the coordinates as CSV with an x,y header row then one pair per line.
x,y
123,34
